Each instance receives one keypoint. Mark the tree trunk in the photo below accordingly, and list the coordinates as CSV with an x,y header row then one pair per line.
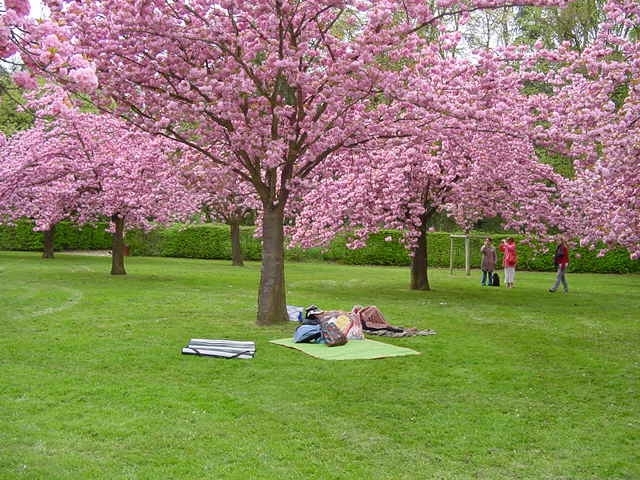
x,y
48,236
117,246
272,308
419,277
236,247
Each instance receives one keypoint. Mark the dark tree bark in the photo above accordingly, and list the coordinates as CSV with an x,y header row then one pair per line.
x,y
271,296
419,261
419,277
117,246
48,237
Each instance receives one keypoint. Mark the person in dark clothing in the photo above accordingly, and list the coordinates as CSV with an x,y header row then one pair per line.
x,y
488,263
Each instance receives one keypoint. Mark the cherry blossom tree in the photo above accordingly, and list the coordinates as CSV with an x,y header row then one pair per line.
x,y
32,189
86,167
225,197
470,154
269,89
591,114
469,176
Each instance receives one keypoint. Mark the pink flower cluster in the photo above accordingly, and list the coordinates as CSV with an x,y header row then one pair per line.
x,y
86,166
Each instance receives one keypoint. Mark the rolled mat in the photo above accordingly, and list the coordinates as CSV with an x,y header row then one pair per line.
x,y
220,348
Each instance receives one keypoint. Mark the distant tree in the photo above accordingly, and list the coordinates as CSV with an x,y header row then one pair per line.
x,y
86,167
469,176
490,28
224,197
578,24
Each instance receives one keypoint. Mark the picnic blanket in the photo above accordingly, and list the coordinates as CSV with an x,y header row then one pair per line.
x,y
353,350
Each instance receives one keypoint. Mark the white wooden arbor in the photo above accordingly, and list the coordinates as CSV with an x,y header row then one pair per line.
x,y
467,253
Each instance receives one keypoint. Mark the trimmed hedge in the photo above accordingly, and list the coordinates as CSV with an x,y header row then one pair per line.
x,y
68,236
383,248
212,241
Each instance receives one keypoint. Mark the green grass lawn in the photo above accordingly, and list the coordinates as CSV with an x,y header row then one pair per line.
x,y
517,384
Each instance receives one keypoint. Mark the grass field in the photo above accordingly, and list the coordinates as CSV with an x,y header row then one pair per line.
x,y
517,384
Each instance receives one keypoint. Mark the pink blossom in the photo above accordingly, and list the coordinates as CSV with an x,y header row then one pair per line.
x,y
21,7
85,78
24,80
86,166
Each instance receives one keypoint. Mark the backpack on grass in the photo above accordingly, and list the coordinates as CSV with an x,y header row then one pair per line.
x,y
306,333
332,335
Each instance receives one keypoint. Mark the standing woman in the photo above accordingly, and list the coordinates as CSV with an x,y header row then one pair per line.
x,y
508,248
488,264
561,261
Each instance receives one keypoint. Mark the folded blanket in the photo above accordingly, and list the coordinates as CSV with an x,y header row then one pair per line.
x,y
220,348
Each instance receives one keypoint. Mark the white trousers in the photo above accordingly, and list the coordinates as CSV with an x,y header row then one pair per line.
x,y
509,274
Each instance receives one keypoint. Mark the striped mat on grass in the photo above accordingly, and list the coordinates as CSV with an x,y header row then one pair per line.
x,y
205,347
352,350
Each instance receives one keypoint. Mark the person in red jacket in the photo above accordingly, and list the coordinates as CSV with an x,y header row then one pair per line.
x,y
510,260
561,261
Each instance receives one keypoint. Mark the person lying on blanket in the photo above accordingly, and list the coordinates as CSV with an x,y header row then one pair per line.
x,y
360,320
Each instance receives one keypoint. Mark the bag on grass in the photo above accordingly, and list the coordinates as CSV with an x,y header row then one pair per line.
x,y
307,334
332,335
295,313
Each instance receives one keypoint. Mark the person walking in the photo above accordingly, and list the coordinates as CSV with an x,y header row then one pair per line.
x,y
488,263
561,261
510,260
